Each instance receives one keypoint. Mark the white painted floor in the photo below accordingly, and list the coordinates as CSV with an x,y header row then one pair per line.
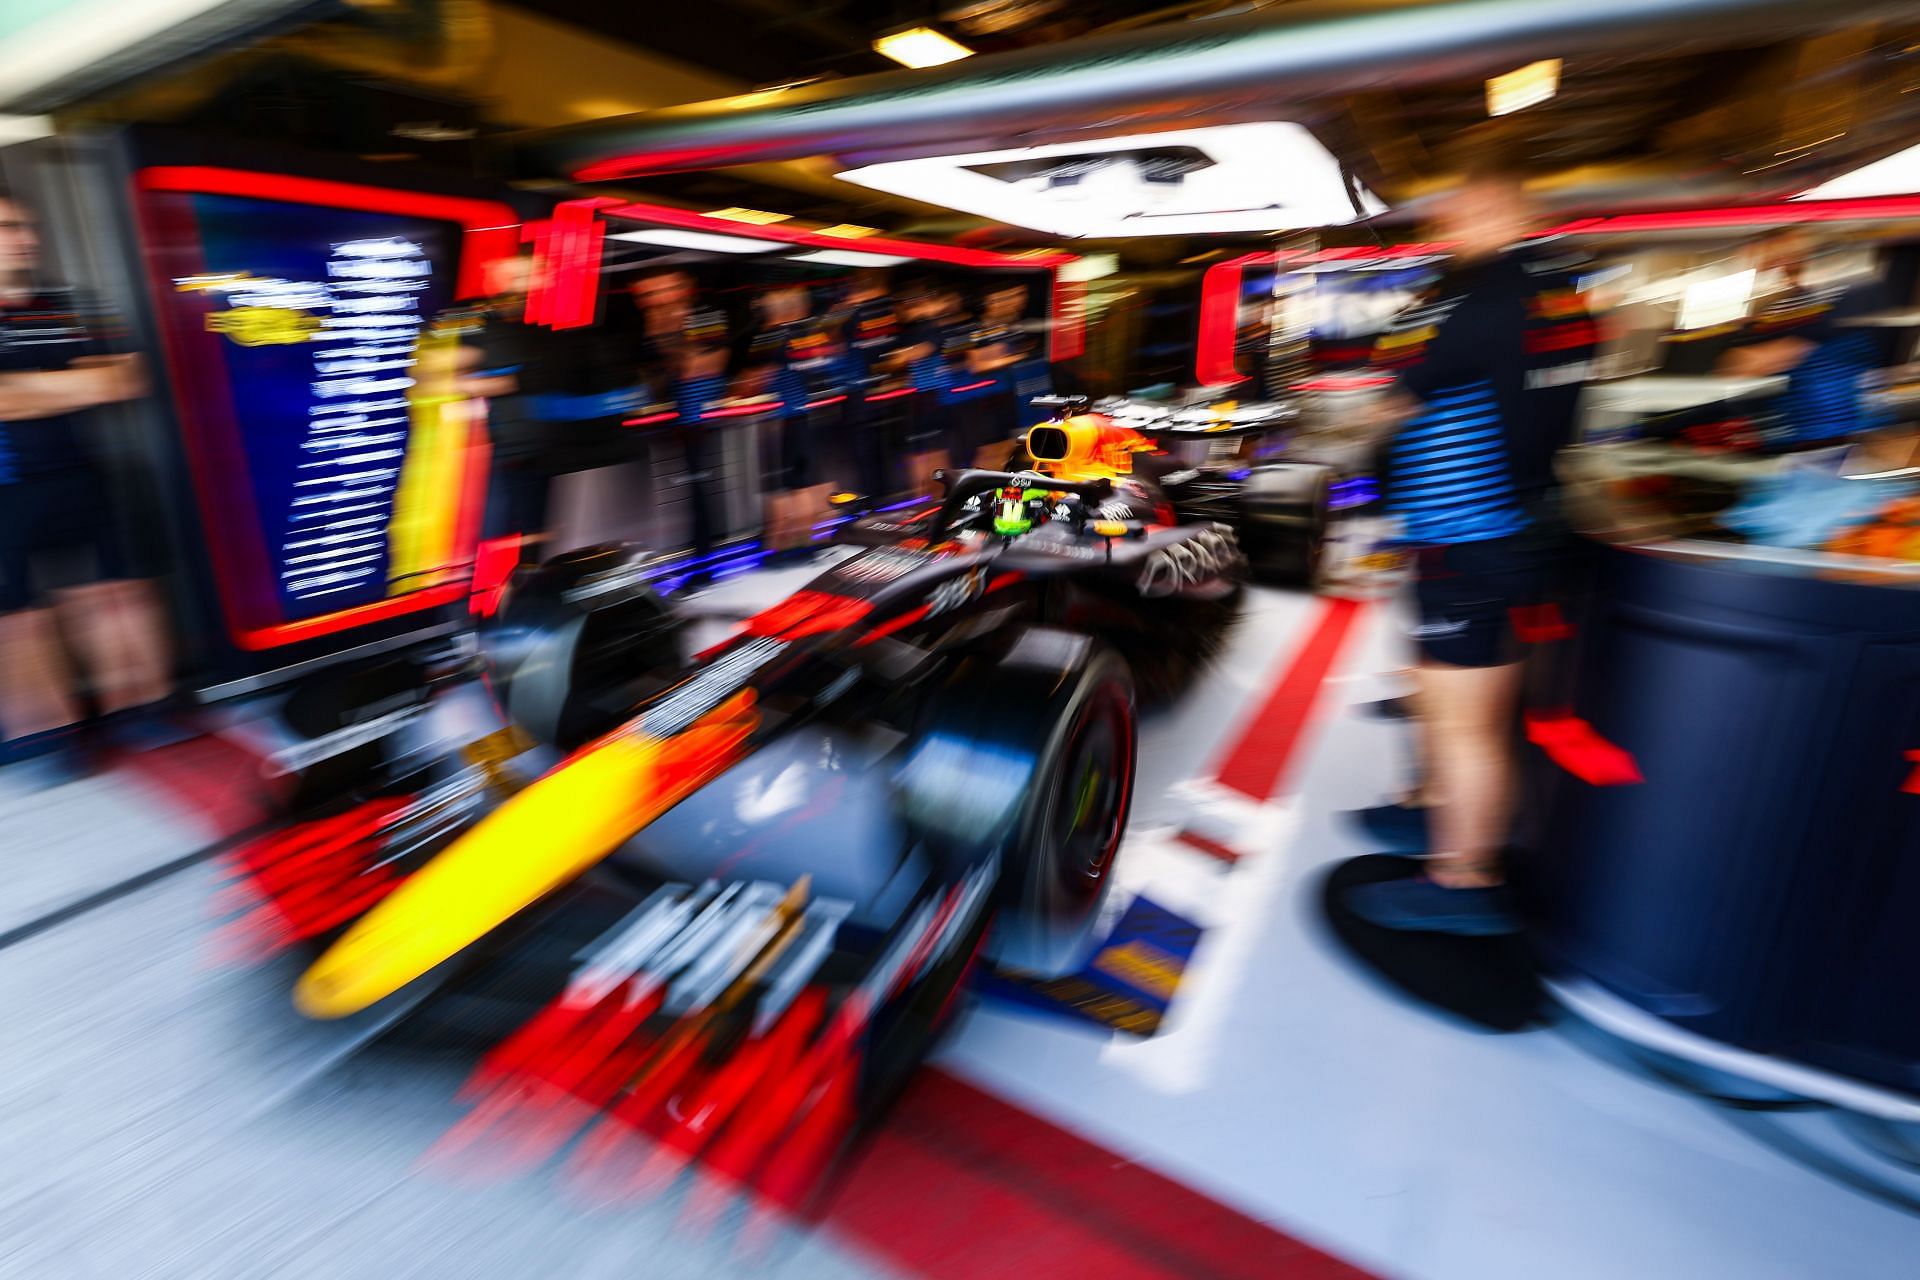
x,y
157,1119
1289,1085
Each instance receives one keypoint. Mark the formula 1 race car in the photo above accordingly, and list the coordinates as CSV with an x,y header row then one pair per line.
x,y
1225,462
723,908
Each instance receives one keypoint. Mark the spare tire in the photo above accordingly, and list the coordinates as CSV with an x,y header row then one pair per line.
x,y
578,641
1284,509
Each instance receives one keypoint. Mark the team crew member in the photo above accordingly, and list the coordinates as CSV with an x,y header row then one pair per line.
x,y
1001,346
684,352
1807,334
807,374
1489,369
966,389
929,441
869,330
70,613
514,366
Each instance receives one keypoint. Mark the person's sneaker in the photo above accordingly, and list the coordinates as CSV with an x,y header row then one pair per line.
x,y
1387,709
1393,828
1418,905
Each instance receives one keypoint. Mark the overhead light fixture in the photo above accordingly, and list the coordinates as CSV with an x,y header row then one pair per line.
x,y
1528,86
920,47
1268,176
848,258
1897,175
758,217
24,128
699,240
1090,266
849,231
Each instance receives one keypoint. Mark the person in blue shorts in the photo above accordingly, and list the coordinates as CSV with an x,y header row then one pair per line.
x,y
1488,369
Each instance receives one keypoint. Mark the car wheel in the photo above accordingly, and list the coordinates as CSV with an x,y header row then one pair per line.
x,y
1068,831
1298,560
577,642
1283,523
1032,760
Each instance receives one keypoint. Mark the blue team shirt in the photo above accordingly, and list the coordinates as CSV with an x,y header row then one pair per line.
x,y
1825,397
1496,356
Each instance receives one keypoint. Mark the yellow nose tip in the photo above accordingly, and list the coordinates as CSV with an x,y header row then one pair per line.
x,y
540,839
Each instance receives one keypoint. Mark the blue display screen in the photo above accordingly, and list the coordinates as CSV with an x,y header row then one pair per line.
x,y
318,313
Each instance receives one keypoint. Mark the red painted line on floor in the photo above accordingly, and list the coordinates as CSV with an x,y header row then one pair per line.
x,y
1256,766
1212,848
960,1185
214,778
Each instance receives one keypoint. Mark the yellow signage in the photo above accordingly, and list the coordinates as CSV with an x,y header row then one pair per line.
x,y
264,326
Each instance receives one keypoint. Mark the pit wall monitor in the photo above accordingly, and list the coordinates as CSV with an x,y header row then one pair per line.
x,y
305,325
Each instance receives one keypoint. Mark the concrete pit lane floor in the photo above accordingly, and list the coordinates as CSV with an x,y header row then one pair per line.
x,y
165,1113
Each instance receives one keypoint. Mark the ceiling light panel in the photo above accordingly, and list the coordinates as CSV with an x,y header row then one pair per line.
x,y
1269,176
1527,86
759,217
848,258
699,240
1897,175
920,47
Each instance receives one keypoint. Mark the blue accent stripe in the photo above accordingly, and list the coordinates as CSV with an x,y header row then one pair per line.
x,y
1450,470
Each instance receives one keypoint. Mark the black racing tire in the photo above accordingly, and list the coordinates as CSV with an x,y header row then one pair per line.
x,y
575,638
1289,550
1069,830
1298,563
1031,760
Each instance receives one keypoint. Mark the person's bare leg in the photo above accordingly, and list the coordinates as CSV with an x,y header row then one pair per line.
x,y
36,682
119,636
783,505
1468,720
1419,795
793,508
815,505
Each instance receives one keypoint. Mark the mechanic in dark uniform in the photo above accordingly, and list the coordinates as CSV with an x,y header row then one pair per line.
x,y
929,444
512,365
70,611
1489,368
1810,334
996,347
684,353
869,327
803,365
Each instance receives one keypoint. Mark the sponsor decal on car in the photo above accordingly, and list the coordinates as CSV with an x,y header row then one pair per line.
x,y
954,592
885,564
1207,555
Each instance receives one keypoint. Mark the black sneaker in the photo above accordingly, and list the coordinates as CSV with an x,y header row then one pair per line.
x,y
1418,905
1387,709
1393,828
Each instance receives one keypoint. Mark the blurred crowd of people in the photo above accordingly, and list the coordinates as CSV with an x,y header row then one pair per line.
x,y
869,386
859,387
